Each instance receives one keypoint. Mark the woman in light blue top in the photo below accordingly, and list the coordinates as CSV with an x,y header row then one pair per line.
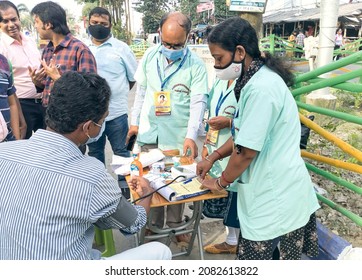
x,y
276,199
222,107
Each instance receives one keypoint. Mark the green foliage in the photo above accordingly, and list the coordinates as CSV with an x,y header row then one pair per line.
x,y
348,102
121,33
87,8
221,12
152,11
188,7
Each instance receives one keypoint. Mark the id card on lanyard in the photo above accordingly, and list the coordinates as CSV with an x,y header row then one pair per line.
x,y
213,134
162,102
162,99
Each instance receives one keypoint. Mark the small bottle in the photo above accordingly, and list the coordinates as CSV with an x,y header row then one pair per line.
x,y
136,165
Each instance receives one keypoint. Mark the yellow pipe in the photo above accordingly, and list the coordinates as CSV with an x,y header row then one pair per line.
x,y
334,162
347,148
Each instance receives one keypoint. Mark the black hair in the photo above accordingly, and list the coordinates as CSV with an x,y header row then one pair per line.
x,y
100,11
76,98
237,31
4,5
53,13
185,22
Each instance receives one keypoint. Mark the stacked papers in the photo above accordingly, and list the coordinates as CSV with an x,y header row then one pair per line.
x,y
121,165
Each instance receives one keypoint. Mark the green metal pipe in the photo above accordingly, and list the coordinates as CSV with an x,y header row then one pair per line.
x,y
328,82
355,218
334,178
272,44
331,113
352,87
330,67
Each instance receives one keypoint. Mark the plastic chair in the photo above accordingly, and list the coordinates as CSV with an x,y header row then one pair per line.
x,y
105,237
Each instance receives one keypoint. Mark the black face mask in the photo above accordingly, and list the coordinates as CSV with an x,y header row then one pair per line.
x,y
99,32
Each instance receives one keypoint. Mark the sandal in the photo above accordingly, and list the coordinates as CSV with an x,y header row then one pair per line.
x,y
221,248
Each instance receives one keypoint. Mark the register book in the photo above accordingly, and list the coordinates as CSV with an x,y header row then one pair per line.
x,y
178,190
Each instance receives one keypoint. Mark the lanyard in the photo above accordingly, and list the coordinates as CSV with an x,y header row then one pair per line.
x,y
220,102
163,83
233,125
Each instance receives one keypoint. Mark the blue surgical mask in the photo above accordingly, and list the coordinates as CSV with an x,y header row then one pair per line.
x,y
95,139
172,54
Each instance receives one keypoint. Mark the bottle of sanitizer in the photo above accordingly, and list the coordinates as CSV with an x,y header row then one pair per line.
x,y
136,165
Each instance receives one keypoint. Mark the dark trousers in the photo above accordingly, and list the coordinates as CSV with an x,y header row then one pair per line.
x,y
34,114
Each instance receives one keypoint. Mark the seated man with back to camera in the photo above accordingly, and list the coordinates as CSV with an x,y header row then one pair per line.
x,y
50,207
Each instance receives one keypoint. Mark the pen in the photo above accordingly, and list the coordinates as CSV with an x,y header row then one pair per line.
x,y
187,181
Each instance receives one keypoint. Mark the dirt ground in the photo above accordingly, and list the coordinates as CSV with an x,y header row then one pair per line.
x,y
344,197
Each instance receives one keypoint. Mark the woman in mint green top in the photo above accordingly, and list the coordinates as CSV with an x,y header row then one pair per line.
x,y
276,199
222,107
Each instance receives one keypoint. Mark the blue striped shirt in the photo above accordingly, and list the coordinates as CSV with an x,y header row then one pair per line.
x,y
51,196
6,89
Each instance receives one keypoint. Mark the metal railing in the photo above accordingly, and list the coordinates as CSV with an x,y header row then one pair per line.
x,y
279,46
307,82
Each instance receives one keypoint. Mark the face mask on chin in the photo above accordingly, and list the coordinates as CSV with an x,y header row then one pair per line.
x,y
231,71
172,54
99,32
95,139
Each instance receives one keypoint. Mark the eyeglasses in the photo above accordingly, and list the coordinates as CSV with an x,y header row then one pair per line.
x,y
97,124
173,46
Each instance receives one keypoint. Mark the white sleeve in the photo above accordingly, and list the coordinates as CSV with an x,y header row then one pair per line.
x,y
137,105
197,109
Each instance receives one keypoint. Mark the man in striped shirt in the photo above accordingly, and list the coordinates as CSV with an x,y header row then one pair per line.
x,y
8,106
51,195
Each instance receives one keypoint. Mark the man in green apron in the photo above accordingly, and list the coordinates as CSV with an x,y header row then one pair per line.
x,y
170,72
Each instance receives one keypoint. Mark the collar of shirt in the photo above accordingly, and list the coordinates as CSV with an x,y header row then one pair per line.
x,y
6,39
46,138
109,42
64,43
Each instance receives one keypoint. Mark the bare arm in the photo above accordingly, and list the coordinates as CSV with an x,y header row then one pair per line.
x,y
14,116
22,122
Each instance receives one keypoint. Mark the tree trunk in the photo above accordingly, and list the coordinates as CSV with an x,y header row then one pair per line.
x,y
256,21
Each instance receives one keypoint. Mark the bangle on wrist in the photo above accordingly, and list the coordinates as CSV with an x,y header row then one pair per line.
x,y
209,160
220,156
217,185
218,181
223,177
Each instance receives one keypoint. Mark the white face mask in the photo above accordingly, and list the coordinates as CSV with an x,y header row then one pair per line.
x,y
231,72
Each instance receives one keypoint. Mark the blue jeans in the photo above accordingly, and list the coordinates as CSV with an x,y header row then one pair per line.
x,y
116,131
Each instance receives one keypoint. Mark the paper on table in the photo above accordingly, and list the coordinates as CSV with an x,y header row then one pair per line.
x,y
176,191
156,182
188,189
121,165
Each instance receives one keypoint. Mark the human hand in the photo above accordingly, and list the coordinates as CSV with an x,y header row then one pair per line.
x,y
212,185
140,185
204,153
23,128
133,130
203,167
51,70
190,144
219,122
37,76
